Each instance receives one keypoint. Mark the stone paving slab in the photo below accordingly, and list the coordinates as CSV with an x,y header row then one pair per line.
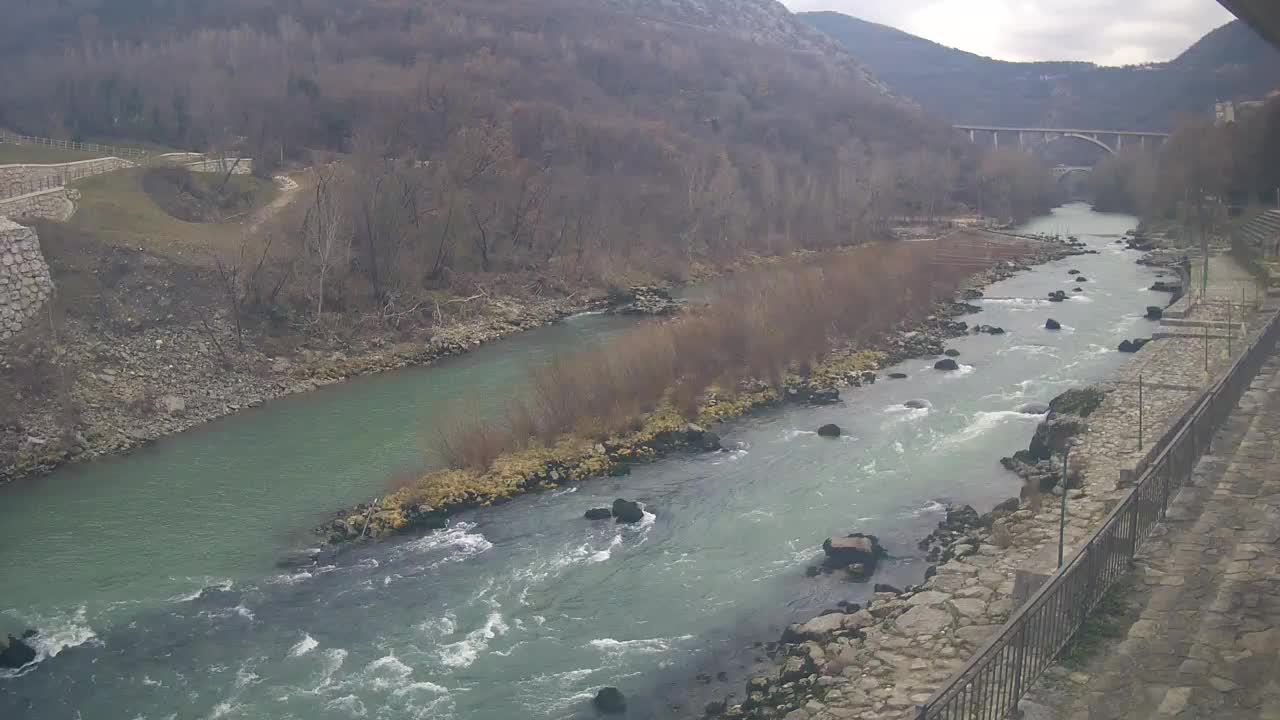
x,y
1206,641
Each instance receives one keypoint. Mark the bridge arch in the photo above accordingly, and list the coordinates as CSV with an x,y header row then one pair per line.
x,y
1089,139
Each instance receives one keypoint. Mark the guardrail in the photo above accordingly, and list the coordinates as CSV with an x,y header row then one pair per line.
x,y
123,152
63,175
995,679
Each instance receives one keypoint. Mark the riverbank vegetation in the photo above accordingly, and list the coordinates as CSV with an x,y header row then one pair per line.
x,y
1199,172
810,326
572,143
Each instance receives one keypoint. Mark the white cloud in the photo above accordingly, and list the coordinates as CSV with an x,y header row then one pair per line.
x,y
1109,32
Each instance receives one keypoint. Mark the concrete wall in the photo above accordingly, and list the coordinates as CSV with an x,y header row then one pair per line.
x,y
25,284
26,178
56,204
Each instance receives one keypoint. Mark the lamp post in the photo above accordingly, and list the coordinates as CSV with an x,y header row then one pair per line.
x,y
1062,518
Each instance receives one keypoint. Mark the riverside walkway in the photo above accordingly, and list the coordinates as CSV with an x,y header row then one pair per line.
x,y
1204,638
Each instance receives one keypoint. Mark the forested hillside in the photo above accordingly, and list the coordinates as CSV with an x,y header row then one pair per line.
x,y
1231,62
572,136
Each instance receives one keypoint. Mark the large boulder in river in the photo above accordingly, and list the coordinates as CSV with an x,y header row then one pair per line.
x,y
951,352
917,404
897,376
16,652
1052,324
599,514
830,430
1132,346
626,511
1078,401
1053,435
610,701
1034,409
1057,296
946,364
1154,312
856,552
699,437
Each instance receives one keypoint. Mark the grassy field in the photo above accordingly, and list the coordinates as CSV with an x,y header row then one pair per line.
x,y
115,209
40,154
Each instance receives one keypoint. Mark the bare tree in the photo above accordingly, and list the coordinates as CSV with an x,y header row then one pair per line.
x,y
325,232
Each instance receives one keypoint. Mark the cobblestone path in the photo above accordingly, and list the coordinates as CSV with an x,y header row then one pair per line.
x,y
1205,641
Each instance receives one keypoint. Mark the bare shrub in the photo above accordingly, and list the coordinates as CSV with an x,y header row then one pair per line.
x,y
761,325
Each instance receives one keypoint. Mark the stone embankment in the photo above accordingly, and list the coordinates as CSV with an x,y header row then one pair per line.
x,y
21,179
24,277
56,203
883,660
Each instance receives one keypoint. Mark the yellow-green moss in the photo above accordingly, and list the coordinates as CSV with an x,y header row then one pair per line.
x,y
576,457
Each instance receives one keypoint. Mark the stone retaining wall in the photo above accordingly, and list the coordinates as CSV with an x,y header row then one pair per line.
x,y
54,204
25,284
26,178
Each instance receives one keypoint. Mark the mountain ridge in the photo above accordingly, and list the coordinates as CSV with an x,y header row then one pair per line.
x,y
1230,62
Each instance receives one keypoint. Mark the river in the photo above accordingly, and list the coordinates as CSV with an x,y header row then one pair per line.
x,y
152,576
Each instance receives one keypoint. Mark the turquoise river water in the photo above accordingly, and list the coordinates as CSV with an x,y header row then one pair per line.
x,y
153,577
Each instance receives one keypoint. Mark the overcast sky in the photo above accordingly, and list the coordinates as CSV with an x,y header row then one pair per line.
x,y
1107,32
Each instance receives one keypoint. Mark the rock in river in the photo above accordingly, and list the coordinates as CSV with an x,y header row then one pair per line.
x,y
917,404
946,364
897,376
1078,401
1034,409
17,652
626,511
599,514
857,551
1154,312
1052,324
1057,296
1053,434
951,353
609,700
1132,346
829,430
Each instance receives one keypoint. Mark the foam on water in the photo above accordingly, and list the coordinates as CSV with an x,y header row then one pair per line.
x,y
303,646
464,652
983,422
331,663
54,636
1030,349
441,626
602,555
207,583
459,541
615,649
420,687
385,673
350,705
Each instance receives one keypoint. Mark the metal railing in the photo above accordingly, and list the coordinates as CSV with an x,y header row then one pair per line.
x,y
994,680
122,152
60,175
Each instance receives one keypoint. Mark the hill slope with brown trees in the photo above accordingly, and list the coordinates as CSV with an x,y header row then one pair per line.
x,y
574,137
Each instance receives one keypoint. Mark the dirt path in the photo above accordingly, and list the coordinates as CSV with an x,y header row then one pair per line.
x,y
288,193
